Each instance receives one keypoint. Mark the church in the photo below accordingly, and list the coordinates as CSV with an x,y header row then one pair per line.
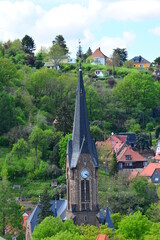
x,y
82,166
81,174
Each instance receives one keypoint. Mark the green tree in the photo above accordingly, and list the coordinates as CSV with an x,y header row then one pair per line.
x,y
142,141
62,150
140,88
128,64
113,164
64,119
122,53
20,148
8,72
7,112
96,133
28,44
135,226
35,139
44,206
59,40
57,54
157,61
10,213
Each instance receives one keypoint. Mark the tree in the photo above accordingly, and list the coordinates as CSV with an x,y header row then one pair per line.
x,y
157,61
96,133
28,44
20,148
57,54
10,213
142,141
59,40
135,226
122,53
140,88
64,119
128,64
113,164
62,150
8,72
44,206
7,112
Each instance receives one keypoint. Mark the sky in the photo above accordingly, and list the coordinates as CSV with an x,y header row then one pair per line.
x,y
108,24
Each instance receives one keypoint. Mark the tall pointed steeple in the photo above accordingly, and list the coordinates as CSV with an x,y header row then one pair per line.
x,y
81,138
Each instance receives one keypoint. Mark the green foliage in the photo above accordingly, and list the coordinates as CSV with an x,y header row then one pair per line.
x,y
44,206
60,41
62,150
122,53
50,227
157,131
113,165
10,212
20,148
64,119
96,133
4,141
28,44
135,226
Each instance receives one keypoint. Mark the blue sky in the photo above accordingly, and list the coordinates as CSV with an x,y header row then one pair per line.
x,y
108,24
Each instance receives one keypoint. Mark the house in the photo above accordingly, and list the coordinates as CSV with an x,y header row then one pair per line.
x,y
102,237
130,159
157,149
152,172
140,62
49,65
131,138
58,208
116,142
99,73
157,157
99,57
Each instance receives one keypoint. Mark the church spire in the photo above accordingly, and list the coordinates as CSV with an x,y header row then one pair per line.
x,y
81,138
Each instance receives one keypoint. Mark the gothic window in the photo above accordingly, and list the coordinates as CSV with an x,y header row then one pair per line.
x,y
85,195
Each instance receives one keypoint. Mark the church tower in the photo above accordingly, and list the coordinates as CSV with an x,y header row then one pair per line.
x,y
82,166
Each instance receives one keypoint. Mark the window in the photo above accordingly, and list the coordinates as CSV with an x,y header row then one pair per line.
x,y
130,164
128,157
156,179
120,165
141,65
85,195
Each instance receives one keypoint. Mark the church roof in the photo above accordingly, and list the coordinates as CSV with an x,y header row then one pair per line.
x,y
81,138
58,208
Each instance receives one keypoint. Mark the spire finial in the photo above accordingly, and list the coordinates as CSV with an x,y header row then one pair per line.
x,y
80,53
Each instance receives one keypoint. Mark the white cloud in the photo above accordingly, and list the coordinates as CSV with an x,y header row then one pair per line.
x,y
155,31
107,44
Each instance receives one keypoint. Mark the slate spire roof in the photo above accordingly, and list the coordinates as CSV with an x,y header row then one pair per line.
x,y
81,138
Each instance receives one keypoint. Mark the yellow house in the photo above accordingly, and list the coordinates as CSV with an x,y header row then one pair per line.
x,y
140,62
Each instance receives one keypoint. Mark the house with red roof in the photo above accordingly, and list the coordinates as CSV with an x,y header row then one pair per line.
x,y
116,143
102,237
152,172
99,57
130,159
157,157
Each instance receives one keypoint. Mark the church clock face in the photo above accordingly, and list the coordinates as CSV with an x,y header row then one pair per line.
x,y
84,173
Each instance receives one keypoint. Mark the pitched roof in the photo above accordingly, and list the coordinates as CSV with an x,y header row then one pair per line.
x,y
108,219
98,53
81,138
139,59
116,142
102,237
149,169
134,156
133,175
59,207
157,157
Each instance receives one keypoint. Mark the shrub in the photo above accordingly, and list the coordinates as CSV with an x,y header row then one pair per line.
x,y
4,141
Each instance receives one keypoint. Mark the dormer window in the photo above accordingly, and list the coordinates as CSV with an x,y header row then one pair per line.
x,y
128,157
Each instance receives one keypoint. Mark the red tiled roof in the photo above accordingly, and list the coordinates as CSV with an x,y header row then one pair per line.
x,y
158,170
99,144
98,53
135,156
133,175
157,157
102,237
148,170
116,143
